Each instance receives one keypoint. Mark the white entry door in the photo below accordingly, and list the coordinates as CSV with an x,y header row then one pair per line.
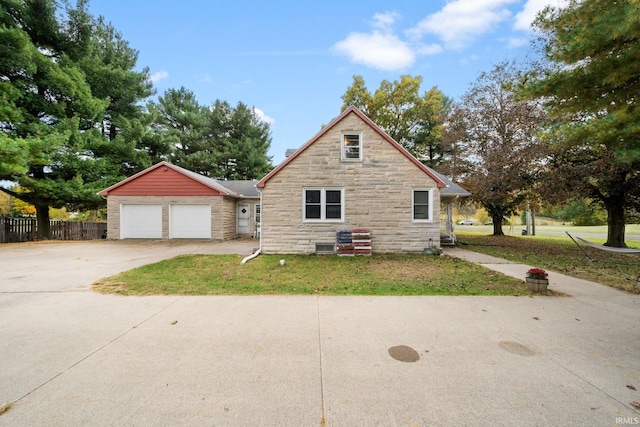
x,y
244,218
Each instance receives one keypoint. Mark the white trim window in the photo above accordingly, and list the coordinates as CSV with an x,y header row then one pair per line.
x,y
422,203
351,146
323,204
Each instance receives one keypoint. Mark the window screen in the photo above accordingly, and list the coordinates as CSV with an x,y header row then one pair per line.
x,y
421,205
351,147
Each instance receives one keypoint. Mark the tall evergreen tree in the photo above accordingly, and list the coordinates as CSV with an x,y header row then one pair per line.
x,y
52,105
50,121
245,142
218,141
591,90
109,66
181,125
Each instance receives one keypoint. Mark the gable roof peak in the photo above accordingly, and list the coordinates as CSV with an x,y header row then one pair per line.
x,y
354,110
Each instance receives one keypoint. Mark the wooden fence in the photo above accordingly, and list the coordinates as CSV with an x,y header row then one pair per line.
x,y
26,230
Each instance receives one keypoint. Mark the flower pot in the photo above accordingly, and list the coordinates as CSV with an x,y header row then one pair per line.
x,y
537,285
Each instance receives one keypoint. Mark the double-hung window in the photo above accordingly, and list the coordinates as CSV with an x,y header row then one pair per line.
x,y
351,146
323,204
422,202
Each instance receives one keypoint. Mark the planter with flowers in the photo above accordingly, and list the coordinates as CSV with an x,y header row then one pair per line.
x,y
537,280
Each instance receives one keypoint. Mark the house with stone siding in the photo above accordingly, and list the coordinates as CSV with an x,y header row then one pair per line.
x,y
351,176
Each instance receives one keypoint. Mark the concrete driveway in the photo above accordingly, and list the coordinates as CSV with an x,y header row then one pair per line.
x,y
54,266
73,357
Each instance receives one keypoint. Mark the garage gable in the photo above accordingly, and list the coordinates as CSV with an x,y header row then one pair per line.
x,y
165,179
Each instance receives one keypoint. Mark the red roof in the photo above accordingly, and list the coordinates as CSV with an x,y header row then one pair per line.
x,y
371,124
165,179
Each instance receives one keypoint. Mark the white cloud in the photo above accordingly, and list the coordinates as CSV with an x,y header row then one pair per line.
x,y
263,117
516,42
381,50
460,21
429,49
160,75
384,21
455,26
527,15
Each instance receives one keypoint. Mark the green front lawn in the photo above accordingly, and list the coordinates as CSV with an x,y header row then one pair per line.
x,y
312,275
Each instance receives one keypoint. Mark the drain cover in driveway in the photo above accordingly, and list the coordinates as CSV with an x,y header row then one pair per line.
x,y
404,353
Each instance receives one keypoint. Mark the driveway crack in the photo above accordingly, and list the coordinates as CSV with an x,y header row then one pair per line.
x,y
108,343
322,418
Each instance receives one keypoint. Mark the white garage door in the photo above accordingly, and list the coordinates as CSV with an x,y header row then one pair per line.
x,y
141,222
190,222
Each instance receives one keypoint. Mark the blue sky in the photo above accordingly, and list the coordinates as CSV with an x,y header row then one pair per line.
x,y
293,60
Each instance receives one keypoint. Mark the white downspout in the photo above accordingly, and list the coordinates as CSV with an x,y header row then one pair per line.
x,y
250,257
256,253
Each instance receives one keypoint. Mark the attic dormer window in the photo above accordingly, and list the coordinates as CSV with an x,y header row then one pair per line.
x,y
351,146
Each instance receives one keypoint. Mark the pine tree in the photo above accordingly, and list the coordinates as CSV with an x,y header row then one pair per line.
x,y
219,141
591,91
50,122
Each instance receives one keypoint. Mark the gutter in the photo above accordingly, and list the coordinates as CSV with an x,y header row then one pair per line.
x,y
259,251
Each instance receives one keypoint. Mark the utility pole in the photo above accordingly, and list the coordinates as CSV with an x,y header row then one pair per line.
x,y
533,223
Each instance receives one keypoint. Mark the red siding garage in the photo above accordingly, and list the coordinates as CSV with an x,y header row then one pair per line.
x,y
168,202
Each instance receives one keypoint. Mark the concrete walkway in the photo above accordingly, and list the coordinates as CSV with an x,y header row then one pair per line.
x,y
571,286
73,357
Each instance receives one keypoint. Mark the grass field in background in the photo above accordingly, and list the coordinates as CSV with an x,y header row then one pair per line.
x,y
631,230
